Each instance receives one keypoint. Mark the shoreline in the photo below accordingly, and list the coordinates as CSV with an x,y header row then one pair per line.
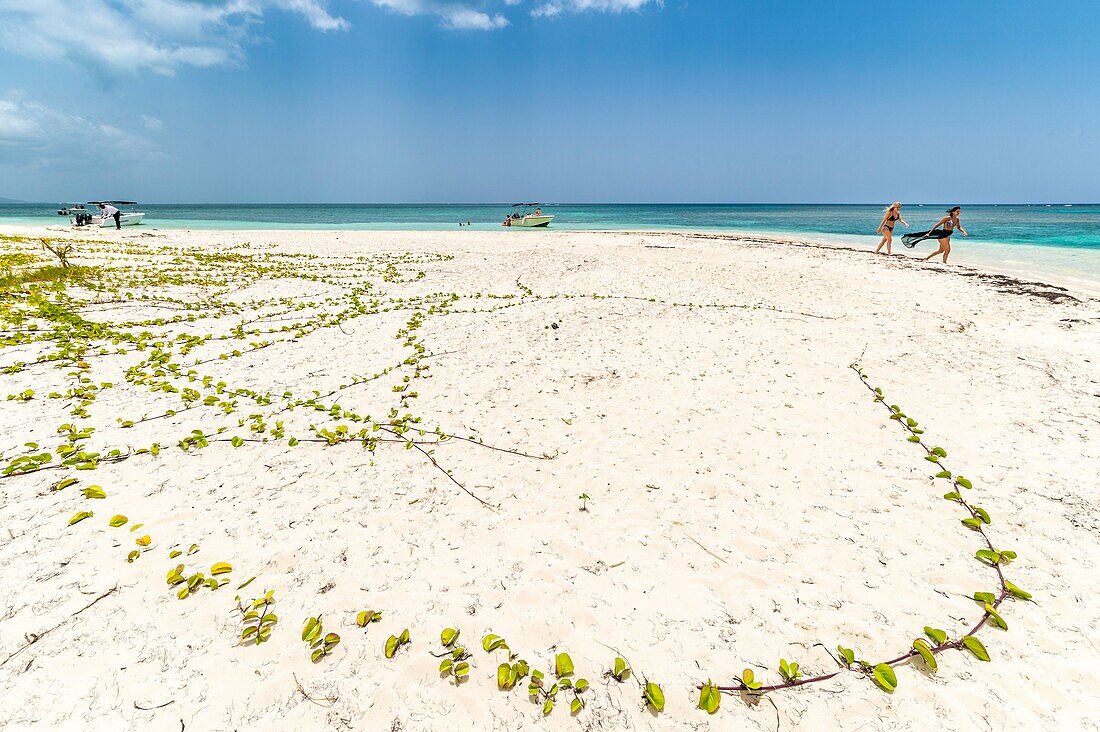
x,y
1085,282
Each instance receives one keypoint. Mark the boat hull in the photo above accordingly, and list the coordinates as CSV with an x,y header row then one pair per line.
x,y
126,219
533,222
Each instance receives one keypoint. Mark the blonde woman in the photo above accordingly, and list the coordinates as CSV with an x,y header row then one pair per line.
x,y
890,216
941,232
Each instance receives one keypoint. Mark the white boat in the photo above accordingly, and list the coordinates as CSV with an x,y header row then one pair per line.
x,y
536,220
129,217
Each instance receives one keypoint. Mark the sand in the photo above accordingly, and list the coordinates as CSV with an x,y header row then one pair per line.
x,y
749,501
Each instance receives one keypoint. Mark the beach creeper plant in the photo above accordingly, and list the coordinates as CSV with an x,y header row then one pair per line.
x,y
545,693
455,663
257,618
395,642
321,644
935,640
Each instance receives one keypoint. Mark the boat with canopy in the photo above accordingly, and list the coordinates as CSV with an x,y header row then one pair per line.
x,y
521,216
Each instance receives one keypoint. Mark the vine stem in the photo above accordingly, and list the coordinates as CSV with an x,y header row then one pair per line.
x,y
441,469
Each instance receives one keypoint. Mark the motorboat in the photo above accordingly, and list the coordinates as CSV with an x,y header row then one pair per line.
x,y
81,215
78,214
522,216
128,216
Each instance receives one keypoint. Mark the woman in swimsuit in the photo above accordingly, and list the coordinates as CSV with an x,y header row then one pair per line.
x,y
941,232
886,226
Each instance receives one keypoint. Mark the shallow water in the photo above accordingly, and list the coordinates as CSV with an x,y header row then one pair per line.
x,y
1056,240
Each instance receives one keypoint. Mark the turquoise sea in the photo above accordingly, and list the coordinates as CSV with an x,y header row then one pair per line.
x,y
1054,239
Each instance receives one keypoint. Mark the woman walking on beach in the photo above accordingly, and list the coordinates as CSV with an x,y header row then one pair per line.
x,y
941,232
891,216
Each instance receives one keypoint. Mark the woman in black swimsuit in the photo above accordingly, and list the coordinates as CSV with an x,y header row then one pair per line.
x,y
941,232
886,227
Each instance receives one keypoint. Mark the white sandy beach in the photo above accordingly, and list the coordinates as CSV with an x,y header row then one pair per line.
x,y
749,501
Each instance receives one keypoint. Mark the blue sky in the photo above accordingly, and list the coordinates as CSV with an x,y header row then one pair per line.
x,y
562,100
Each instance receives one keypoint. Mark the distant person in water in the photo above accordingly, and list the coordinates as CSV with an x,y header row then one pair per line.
x,y
890,217
941,232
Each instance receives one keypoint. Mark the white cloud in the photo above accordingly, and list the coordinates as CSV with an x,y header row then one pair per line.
x,y
452,15
553,8
32,133
152,123
135,35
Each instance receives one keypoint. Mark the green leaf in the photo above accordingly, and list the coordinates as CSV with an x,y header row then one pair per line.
x,y
404,637
926,653
952,496
982,514
576,706
61,485
174,553
748,679
311,630
246,583
943,474
133,555
563,665
581,686
1007,556
548,706
975,646
963,482
462,669
118,520
506,677
221,568
655,696
448,636
994,617
885,677
847,654
621,671
94,491
990,556
445,666
972,523
1016,591
80,516
939,451
985,597
709,698
913,438
391,646
931,458
491,642
236,441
